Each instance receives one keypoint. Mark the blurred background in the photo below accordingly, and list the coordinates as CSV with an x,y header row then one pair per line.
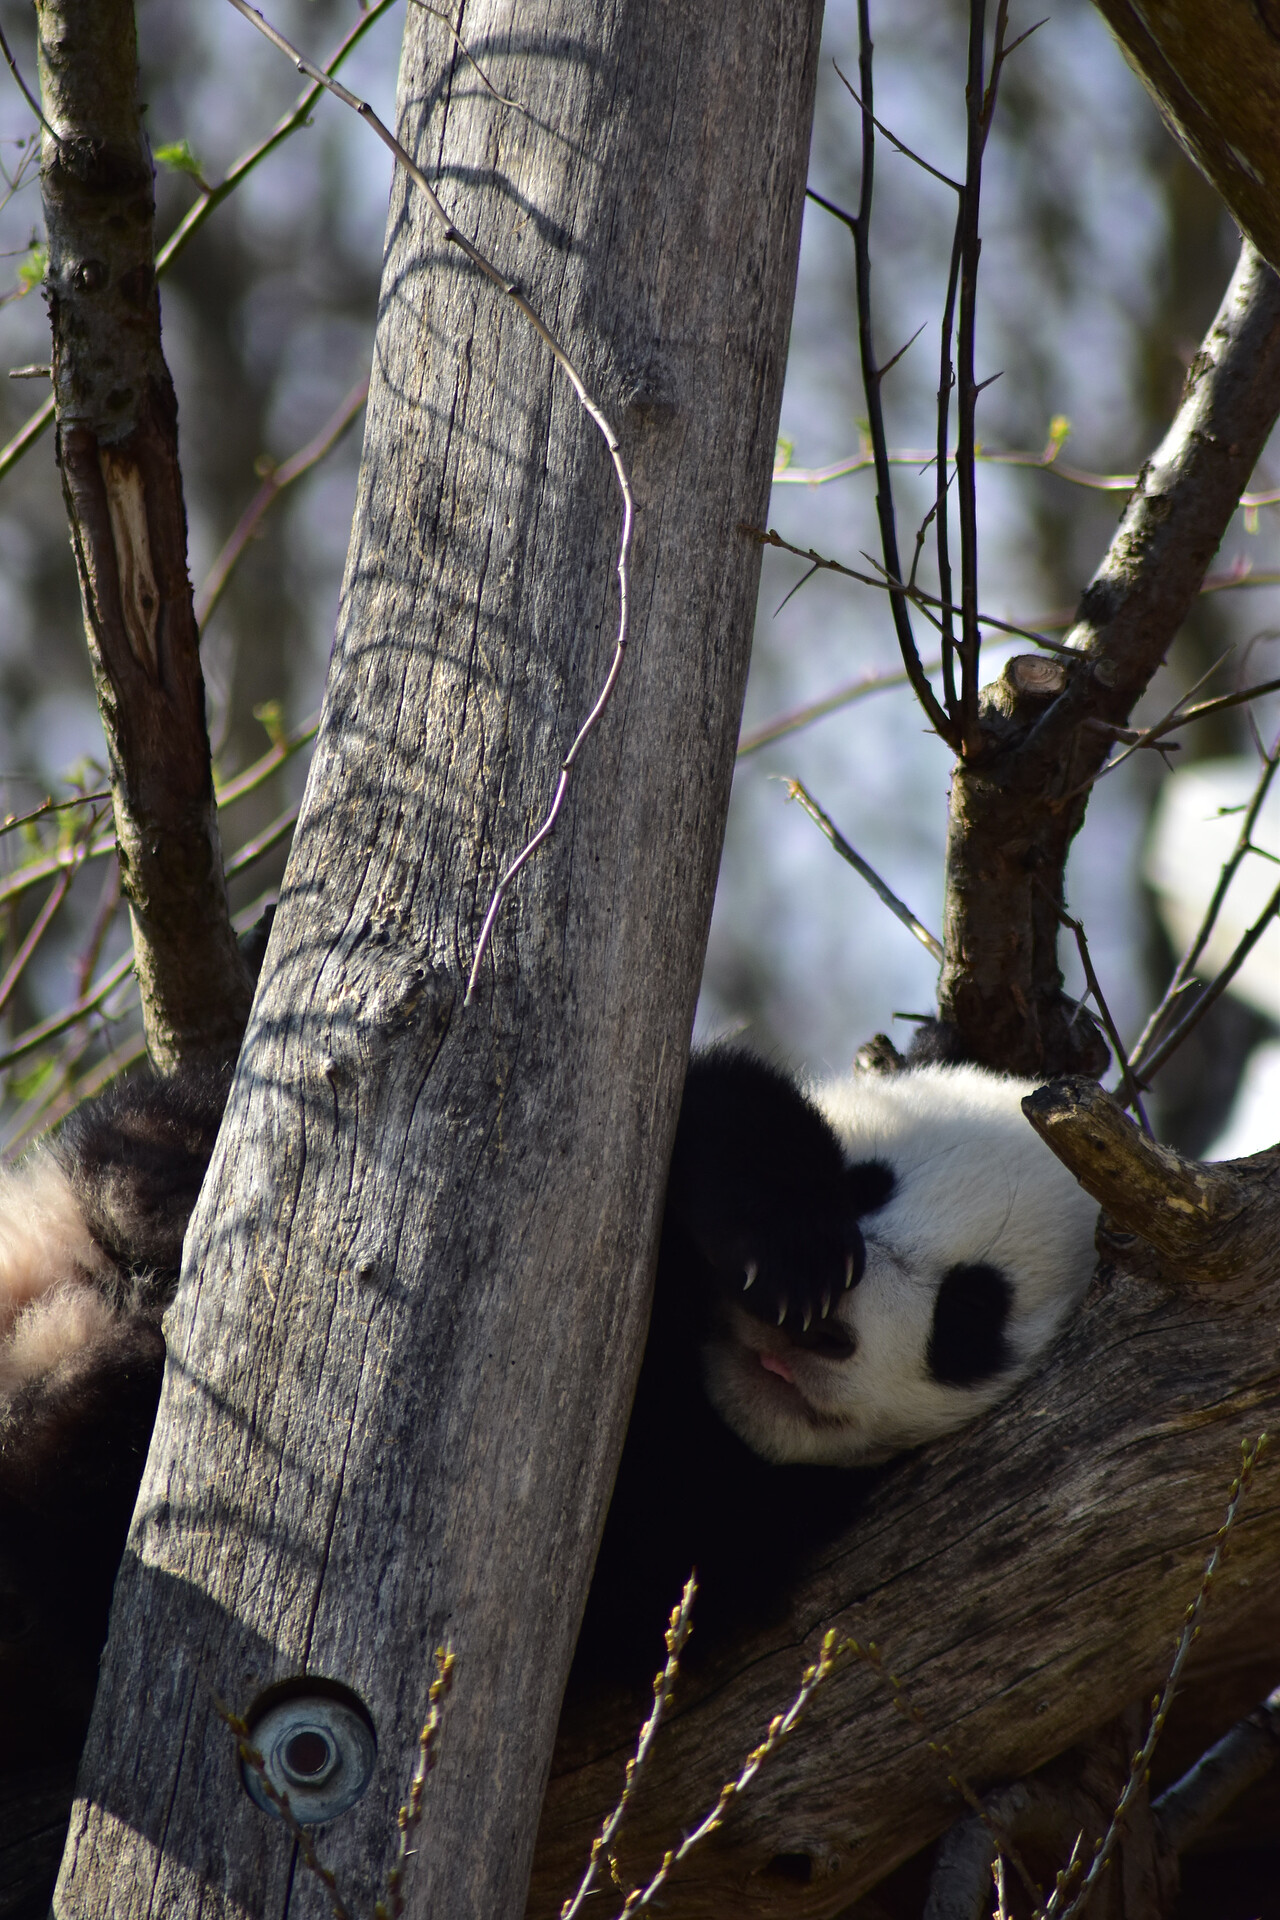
x,y
1104,258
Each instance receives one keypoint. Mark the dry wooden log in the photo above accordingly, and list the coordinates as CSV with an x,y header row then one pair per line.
x,y
1026,1580
117,436
415,1289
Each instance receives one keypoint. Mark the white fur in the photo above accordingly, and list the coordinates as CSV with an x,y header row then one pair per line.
x,y
975,1185
48,1264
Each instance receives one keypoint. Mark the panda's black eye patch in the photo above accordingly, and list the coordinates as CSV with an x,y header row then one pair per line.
x,y
968,1343
869,1185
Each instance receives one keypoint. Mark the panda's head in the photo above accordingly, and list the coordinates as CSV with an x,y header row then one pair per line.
x,y
977,1246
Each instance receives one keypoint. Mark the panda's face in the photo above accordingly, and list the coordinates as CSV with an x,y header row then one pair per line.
x,y
976,1252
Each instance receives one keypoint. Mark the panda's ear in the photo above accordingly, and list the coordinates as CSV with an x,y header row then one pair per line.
x,y
870,1185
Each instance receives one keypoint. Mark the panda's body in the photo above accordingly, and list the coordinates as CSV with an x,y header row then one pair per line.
x,y
843,1275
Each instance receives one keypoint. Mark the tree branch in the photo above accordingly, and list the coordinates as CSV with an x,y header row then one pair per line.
x,y
117,448
1214,73
1016,811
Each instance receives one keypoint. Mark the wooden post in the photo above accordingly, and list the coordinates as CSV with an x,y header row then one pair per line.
x,y
415,1289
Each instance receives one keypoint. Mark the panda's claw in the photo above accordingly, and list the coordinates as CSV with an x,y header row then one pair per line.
x,y
848,1271
753,1271
808,1316
782,1309
826,1303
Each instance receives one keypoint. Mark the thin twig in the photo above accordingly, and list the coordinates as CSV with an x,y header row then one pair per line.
x,y
39,927
59,1022
860,226
211,197
968,246
1054,1910
818,709
1164,725
780,1726
458,41
15,820
251,1758
927,940
269,492
26,92
897,588
589,406
410,1814
664,1681
893,139
1218,986
1133,1091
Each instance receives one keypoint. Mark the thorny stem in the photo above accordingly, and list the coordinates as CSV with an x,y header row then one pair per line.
x,y
1249,1458
899,589
860,226
903,912
1133,1092
512,291
676,1635
968,246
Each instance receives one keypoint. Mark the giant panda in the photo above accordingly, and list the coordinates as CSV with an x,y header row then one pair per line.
x,y
847,1270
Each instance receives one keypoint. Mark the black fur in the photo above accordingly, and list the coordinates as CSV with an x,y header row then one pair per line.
x,y
970,1315
759,1192
757,1175
73,1440
136,1158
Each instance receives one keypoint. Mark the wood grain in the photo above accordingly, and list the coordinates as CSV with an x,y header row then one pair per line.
x,y
415,1288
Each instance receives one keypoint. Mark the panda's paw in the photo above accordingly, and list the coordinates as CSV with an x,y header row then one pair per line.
x,y
795,1284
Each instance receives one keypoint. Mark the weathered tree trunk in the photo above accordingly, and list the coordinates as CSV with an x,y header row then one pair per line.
x,y
1214,73
414,1293
118,451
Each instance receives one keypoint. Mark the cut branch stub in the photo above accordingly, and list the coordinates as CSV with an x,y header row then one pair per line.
x,y
1016,811
1211,1222
118,451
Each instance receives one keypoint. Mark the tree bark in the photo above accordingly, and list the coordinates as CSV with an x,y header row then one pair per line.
x,y
415,1288
1214,73
117,444
1025,1581
1016,809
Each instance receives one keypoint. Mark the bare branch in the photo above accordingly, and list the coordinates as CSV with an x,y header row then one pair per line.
x,y
1190,1807
860,228
24,89
281,477
438,13
677,1634
897,907
818,709
1180,1207
1132,1091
